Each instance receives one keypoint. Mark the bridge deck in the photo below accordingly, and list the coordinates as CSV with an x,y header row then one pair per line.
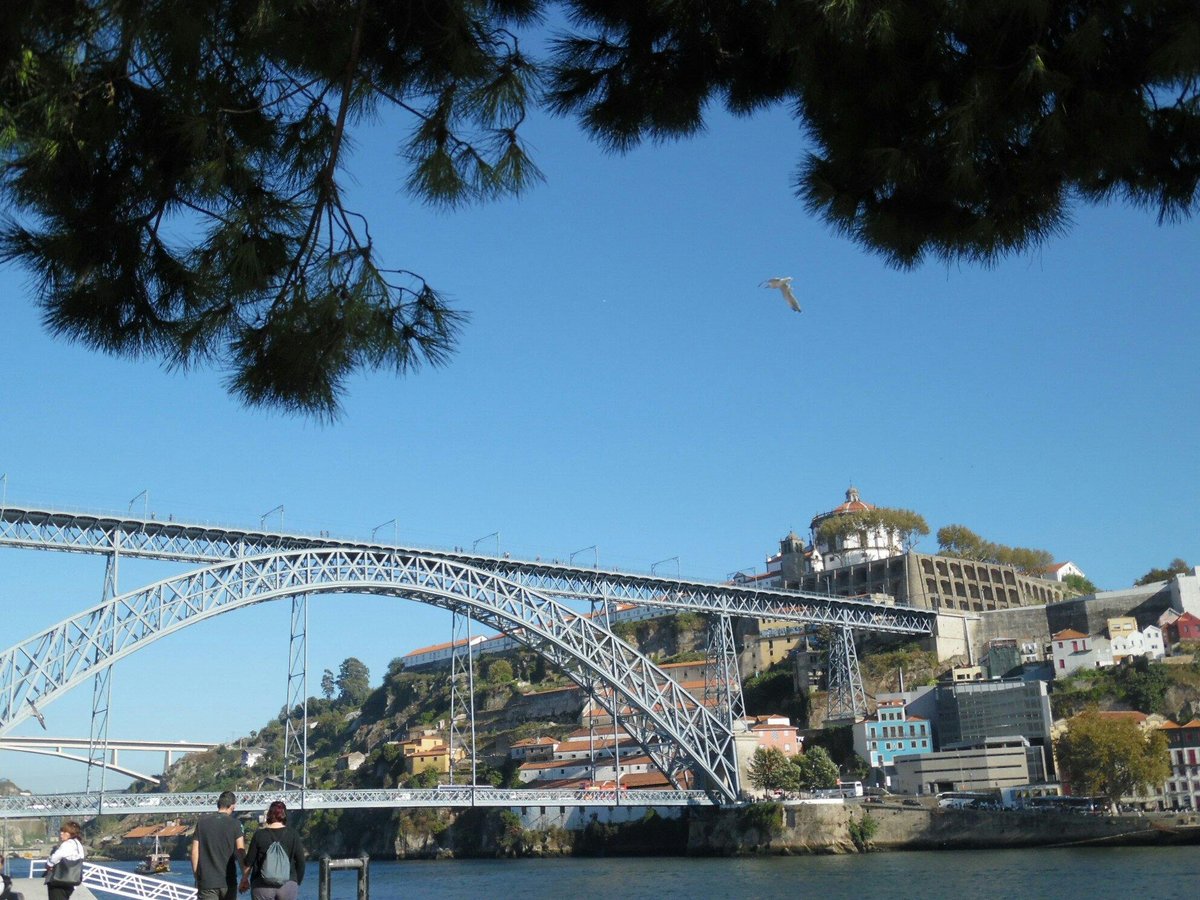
x,y
52,805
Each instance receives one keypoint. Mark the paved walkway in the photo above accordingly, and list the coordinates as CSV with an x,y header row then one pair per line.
x,y
35,889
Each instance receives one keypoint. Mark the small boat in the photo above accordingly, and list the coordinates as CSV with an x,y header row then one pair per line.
x,y
156,863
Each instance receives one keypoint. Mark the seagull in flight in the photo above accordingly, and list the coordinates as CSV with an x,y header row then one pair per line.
x,y
37,713
784,285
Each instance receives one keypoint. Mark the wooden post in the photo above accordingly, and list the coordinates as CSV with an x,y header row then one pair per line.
x,y
362,864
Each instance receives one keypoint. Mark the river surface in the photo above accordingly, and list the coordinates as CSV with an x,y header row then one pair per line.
x,y
1143,873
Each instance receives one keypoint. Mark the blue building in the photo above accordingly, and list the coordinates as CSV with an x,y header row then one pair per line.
x,y
893,732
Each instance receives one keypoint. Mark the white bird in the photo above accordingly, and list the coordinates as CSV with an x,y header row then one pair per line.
x,y
784,286
37,714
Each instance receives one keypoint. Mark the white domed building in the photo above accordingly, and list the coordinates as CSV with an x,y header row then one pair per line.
x,y
849,549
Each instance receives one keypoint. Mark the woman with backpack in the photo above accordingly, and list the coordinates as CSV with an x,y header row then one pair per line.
x,y
274,859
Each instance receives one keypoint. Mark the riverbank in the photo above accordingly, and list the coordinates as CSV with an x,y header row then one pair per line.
x,y
857,827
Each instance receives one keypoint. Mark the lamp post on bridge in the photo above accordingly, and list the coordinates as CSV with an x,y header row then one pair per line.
x,y
395,530
262,520
654,566
145,495
478,541
595,556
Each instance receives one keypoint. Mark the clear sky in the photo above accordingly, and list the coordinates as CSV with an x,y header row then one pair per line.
x,y
624,382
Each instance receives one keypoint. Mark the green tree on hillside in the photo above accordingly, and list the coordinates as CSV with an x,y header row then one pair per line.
x,y
1079,584
174,171
1177,567
1109,757
960,541
353,681
328,684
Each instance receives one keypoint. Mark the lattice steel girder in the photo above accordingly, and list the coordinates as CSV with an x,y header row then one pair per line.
x,y
79,532
47,664
51,805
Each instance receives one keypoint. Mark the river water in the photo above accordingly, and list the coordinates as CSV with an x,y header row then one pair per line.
x,y
1065,874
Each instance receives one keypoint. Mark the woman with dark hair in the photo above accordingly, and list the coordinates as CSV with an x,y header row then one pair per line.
x,y
69,849
262,872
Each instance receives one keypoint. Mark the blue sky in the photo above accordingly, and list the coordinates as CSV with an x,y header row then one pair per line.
x,y
625,383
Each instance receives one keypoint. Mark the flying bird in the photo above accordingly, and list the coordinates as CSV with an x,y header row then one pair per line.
x,y
37,714
785,287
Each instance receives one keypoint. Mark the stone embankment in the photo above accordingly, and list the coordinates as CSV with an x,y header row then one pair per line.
x,y
847,828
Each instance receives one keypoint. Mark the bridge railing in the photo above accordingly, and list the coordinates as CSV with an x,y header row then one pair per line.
x,y
123,884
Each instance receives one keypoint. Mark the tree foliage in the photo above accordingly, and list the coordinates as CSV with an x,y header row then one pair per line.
x,y
328,684
174,175
960,541
174,171
898,526
1110,757
353,681
1177,567
771,770
1079,584
816,769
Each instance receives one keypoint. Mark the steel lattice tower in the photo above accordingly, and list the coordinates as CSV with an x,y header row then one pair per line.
x,y
462,689
847,699
722,681
295,736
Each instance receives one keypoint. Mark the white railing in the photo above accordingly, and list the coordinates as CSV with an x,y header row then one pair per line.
x,y
123,884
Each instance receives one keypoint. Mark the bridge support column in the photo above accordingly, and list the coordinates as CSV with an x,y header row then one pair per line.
x,y
462,690
102,683
847,699
295,737
723,682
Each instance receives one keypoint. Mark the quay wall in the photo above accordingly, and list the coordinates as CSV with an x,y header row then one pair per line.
x,y
826,828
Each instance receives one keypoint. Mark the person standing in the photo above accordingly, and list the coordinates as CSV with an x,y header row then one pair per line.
x,y
69,849
218,846
275,831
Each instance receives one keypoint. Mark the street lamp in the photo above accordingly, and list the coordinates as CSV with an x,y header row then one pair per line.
x,y
654,566
395,530
262,520
595,556
494,534
145,495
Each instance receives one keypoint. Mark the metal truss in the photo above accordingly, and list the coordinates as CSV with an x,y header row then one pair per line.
x,y
67,805
151,538
462,691
722,680
59,658
102,687
847,699
295,737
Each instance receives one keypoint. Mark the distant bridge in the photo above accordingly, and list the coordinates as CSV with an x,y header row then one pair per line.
x,y
84,804
61,747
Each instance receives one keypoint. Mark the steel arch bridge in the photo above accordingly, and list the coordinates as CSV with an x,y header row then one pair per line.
x,y
44,666
80,532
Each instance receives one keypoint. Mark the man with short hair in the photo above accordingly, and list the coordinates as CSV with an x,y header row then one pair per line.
x,y
218,847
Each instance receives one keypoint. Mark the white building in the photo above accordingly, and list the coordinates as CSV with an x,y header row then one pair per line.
x,y
847,550
1059,571
1071,651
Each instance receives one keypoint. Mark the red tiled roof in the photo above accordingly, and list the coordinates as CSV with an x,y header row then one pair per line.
x,y
1067,634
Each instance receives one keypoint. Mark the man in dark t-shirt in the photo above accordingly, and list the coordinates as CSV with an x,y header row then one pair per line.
x,y
218,846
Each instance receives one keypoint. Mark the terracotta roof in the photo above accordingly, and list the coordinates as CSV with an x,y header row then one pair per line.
x,y
141,831
1133,714
172,830
535,742
1067,634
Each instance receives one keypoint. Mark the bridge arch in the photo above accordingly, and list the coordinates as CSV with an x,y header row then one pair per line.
x,y
53,661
